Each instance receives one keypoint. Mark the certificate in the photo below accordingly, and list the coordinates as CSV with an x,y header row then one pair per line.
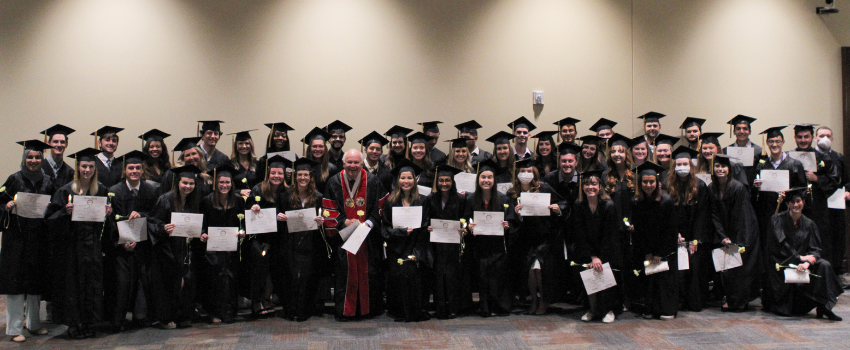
x,y
745,155
445,231
535,204
656,268
774,180
262,222
89,208
31,206
187,225
794,276
348,230
407,217
130,231
465,182
807,158
504,187
595,281
726,258
836,200
222,239
488,223
301,220
705,178
682,254
356,239
424,190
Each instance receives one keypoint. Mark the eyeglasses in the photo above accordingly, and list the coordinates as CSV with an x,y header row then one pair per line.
x,y
775,142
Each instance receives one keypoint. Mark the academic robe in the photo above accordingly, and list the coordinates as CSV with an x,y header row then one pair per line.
x,y
829,179
301,251
61,177
765,202
494,286
437,156
154,178
77,292
358,289
656,234
786,243
597,234
404,280
317,176
260,252
750,171
733,217
538,239
503,174
384,175
128,271
24,264
111,175
570,285
217,270
336,160
632,288
480,157
426,178
216,158
245,179
175,258
693,222
837,219
448,283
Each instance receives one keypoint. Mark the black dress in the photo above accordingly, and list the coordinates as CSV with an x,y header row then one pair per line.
x,y
693,222
217,270
404,278
300,251
77,293
494,286
24,259
656,234
734,218
598,234
448,284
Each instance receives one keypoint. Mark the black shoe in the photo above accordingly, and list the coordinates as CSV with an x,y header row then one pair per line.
x,y
75,333
822,311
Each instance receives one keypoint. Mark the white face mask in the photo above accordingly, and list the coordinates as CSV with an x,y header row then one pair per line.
x,y
683,170
824,143
525,177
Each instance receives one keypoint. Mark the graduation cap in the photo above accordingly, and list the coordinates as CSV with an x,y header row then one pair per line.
x,y
772,132
798,127
459,142
649,169
34,145
544,135
56,129
443,169
685,152
638,140
304,163
86,155
398,132
104,131
597,173
663,139
224,170
280,126
337,127
209,125
501,138
420,137
468,127
487,165
134,157
568,148
794,193
619,140
187,171
711,137
521,122
405,165
527,162
153,135
722,159
652,117
602,124
186,143
315,134
242,135
431,127
590,140
739,119
373,137
278,162
691,122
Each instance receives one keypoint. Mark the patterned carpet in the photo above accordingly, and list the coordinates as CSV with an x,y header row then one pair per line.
x,y
709,329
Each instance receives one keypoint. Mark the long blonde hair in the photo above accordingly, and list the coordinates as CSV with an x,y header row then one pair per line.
x,y
202,164
252,157
77,186
466,166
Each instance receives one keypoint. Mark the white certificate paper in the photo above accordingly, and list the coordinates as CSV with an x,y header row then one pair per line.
x,y
504,187
356,239
89,208
597,281
465,182
656,268
31,206
705,178
535,204
301,220
745,155
130,231
407,217
726,258
807,158
262,222
683,258
836,200
488,223
348,230
188,225
424,190
222,239
794,276
774,180
445,231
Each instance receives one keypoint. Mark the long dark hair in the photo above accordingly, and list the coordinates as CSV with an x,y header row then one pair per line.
x,y
294,196
163,162
614,176
551,160
479,197
230,197
270,146
191,198
680,194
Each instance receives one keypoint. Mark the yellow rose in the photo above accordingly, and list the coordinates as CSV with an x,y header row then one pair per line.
x,y
117,217
637,272
240,216
742,249
695,242
111,194
360,213
257,198
573,263
506,206
2,189
462,221
821,164
646,263
778,266
400,262
761,161
326,214
244,180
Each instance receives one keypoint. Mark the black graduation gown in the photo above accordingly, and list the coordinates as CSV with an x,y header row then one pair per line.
x,y
217,270
571,288
494,286
317,176
597,234
373,244
749,171
245,179
112,175
301,250
656,234
734,218
336,160
765,202
837,219
632,286
61,177
448,284
538,239
437,156
480,157
217,158
829,179
77,293
693,222
175,258
404,280
384,175
786,243
24,257
128,271
257,268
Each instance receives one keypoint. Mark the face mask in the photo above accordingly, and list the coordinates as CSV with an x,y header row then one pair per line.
x,y
683,170
525,177
824,143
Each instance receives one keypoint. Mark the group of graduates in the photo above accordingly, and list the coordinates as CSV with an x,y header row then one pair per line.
x,y
616,203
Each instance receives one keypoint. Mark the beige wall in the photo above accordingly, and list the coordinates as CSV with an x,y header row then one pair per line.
x,y
141,64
